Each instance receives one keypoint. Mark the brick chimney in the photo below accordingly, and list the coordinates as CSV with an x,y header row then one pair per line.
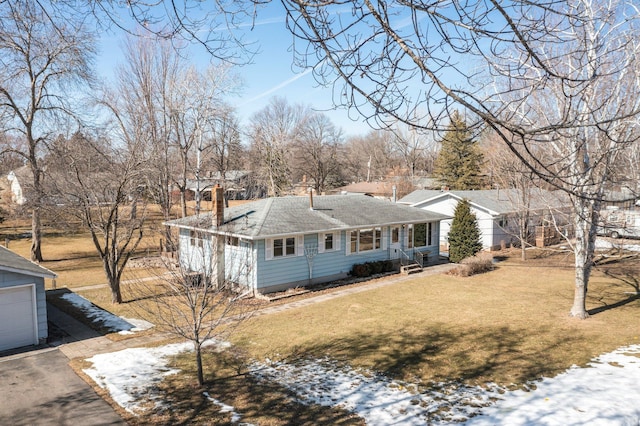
x,y
218,206
218,240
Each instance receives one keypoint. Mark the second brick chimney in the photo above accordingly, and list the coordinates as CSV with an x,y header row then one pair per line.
x,y
218,206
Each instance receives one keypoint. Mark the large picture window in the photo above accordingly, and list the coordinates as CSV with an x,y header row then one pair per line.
x,y
363,240
419,235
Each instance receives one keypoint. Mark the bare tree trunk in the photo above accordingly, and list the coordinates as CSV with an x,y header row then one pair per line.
x,y
523,238
183,203
199,363
585,233
36,235
116,294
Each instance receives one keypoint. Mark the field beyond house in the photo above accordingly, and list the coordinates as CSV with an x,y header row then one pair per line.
x,y
508,326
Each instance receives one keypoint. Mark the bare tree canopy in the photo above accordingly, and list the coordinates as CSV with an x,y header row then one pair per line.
x,y
100,185
42,63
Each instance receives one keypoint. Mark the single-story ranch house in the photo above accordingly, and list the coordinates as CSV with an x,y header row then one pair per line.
x,y
495,209
278,243
23,305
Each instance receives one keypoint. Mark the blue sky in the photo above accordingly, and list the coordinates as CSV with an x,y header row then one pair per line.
x,y
269,75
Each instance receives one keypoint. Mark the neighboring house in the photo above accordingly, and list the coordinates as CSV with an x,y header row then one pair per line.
x,y
381,190
17,180
496,211
238,184
278,243
23,305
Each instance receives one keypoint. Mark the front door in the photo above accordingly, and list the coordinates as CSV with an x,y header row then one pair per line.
x,y
394,245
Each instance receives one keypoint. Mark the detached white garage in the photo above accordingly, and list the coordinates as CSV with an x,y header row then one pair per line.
x,y
23,305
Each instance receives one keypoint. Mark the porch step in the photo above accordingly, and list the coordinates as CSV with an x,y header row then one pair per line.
x,y
410,269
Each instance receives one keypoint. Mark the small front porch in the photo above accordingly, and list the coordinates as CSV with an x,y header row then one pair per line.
x,y
420,259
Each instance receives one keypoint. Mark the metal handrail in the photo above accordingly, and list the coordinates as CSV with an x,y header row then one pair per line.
x,y
404,255
420,257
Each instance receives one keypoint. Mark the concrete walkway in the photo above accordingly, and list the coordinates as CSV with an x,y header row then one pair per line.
x,y
83,342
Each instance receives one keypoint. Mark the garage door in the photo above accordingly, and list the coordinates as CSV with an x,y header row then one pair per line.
x,y
17,317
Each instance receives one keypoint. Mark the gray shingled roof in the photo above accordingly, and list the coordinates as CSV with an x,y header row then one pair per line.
x,y
9,261
500,201
271,217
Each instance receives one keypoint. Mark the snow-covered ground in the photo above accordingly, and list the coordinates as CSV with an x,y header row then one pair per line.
x,y
604,393
115,323
609,244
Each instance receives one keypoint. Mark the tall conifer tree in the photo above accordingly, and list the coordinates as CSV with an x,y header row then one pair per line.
x,y
459,161
464,235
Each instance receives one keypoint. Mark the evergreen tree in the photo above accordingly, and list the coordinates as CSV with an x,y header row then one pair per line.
x,y
459,161
464,235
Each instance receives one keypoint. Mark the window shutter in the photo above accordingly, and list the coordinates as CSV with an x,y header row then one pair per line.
x,y
300,244
320,243
336,240
268,249
347,242
405,237
385,237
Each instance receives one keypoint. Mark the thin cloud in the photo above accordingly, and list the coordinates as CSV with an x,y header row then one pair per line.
x,y
277,87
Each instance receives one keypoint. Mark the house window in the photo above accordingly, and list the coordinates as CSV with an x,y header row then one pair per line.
x,y
284,247
328,242
195,238
365,240
395,234
419,235
233,241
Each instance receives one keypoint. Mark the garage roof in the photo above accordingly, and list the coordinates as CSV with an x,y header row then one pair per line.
x,y
12,262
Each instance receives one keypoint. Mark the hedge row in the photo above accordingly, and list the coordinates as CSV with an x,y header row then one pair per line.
x,y
367,269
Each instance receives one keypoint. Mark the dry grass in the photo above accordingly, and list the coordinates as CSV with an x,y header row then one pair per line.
x,y
506,326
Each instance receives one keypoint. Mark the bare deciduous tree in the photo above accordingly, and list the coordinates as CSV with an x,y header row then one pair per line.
x,y
204,125
272,131
191,304
44,60
316,151
143,99
100,185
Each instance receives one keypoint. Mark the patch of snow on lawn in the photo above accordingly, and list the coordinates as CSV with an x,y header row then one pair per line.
x,y
107,319
224,408
130,374
605,393
378,400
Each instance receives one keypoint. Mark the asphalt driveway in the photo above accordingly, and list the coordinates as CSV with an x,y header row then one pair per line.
x,y
39,388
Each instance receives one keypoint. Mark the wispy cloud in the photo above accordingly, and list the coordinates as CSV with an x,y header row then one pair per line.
x,y
277,87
